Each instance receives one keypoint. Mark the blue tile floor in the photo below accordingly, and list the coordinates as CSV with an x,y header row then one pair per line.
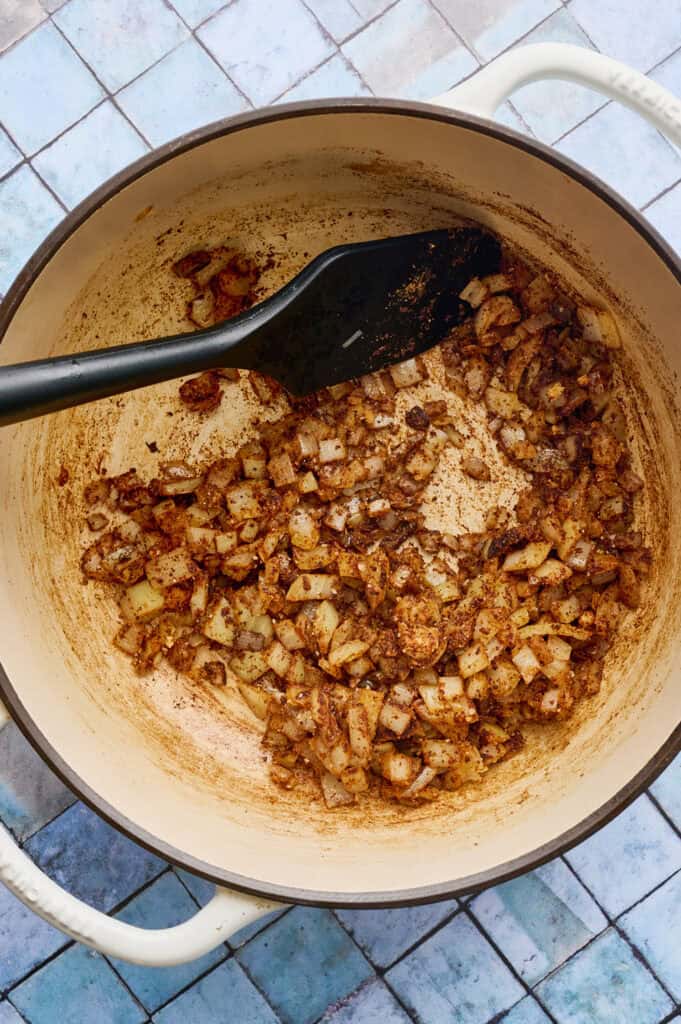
x,y
87,86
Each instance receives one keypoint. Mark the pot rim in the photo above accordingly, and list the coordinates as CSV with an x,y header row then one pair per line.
x,y
9,695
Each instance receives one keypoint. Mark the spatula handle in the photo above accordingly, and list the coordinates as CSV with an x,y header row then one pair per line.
x,y
47,385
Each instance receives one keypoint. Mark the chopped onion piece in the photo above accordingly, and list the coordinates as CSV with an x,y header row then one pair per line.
x,y
580,555
423,779
549,701
475,292
406,374
529,557
525,660
331,450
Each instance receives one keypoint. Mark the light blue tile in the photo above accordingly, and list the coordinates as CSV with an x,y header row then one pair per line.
x,y
604,984
89,153
266,45
120,38
200,889
17,18
30,794
668,74
8,1015
25,939
370,8
455,976
371,1004
196,11
162,905
91,859
44,88
385,934
245,935
77,987
628,858
336,77
410,51
527,1011
339,17
27,212
509,116
665,214
211,1000
9,154
490,26
183,91
552,108
654,926
303,963
538,920
632,31
625,151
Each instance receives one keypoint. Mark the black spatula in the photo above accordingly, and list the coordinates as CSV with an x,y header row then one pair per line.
x,y
353,309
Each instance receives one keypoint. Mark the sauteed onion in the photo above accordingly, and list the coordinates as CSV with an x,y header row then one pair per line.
x,y
381,655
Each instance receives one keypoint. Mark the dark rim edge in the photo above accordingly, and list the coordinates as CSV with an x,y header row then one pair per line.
x,y
18,290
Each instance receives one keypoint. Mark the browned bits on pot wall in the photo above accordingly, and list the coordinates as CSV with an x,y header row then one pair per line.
x,y
202,394
224,285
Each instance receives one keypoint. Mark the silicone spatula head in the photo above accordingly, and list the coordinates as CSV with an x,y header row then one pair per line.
x,y
358,308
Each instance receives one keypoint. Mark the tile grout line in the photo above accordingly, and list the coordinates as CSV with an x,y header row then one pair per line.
x,y
653,799
480,61
252,980
199,42
260,931
337,52
607,103
13,45
62,133
185,988
211,55
139,892
107,91
70,943
52,192
638,955
378,973
303,77
13,140
382,969
47,823
369,21
124,984
642,209
483,60
612,923
7,993
211,17
521,118
502,956
56,817
470,48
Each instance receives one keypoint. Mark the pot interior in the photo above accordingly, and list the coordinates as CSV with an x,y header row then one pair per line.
x,y
181,766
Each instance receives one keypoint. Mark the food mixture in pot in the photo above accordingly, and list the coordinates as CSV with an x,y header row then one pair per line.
x,y
382,655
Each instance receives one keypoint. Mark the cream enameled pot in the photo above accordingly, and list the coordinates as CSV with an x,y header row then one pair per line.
x,y
180,771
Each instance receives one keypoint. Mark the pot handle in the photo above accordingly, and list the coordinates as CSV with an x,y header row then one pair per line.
x,y
224,915
486,90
